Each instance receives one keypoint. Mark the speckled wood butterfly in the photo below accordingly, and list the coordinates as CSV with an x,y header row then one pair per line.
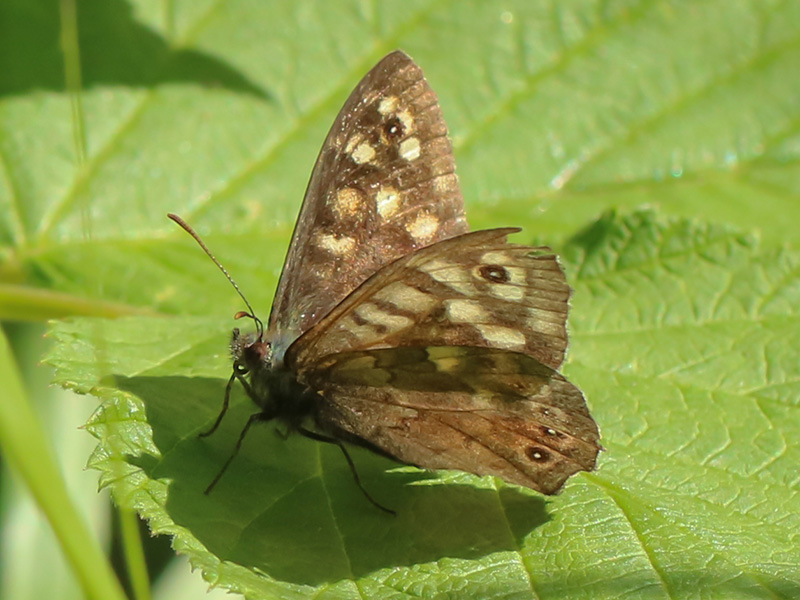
x,y
395,328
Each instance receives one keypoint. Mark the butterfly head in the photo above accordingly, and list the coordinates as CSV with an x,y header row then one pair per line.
x,y
251,352
269,384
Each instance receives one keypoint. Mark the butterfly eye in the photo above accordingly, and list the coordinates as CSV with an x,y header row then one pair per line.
x,y
241,370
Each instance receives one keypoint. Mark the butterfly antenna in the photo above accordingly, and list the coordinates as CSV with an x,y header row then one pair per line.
x,y
188,229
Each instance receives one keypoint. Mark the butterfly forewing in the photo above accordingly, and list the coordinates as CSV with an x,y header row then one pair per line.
x,y
472,290
482,410
383,186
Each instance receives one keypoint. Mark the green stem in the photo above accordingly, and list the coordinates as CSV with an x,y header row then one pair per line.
x,y
26,303
134,554
26,449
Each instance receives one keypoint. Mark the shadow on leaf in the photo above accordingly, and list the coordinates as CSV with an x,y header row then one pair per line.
x,y
115,50
291,509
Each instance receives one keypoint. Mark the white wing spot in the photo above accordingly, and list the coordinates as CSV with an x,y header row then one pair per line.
x,y
424,227
465,311
437,352
410,149
446,358
363,153
348,201
376,316
353,142
548,328
364,333
388,105
504,291
518,275
451,275
448,365
387,201
340,246
497,258
406,297
502,337
407,120
537,315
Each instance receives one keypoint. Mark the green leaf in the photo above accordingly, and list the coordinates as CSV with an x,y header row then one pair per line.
x,y
682,344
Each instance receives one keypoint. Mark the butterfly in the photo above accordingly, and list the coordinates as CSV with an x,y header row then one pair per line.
x,y
396,328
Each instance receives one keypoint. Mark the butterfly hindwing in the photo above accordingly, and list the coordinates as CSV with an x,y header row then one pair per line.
x,y
383,186
472,290
481,410
445,359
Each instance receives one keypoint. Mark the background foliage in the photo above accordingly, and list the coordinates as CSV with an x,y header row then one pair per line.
x,y
684,314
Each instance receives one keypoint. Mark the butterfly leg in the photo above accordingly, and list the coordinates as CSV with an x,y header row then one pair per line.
x,y
330,440
226,402
254,418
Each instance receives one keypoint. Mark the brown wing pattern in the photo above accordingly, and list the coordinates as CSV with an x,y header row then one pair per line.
x,y
472,290
383,186
481,410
